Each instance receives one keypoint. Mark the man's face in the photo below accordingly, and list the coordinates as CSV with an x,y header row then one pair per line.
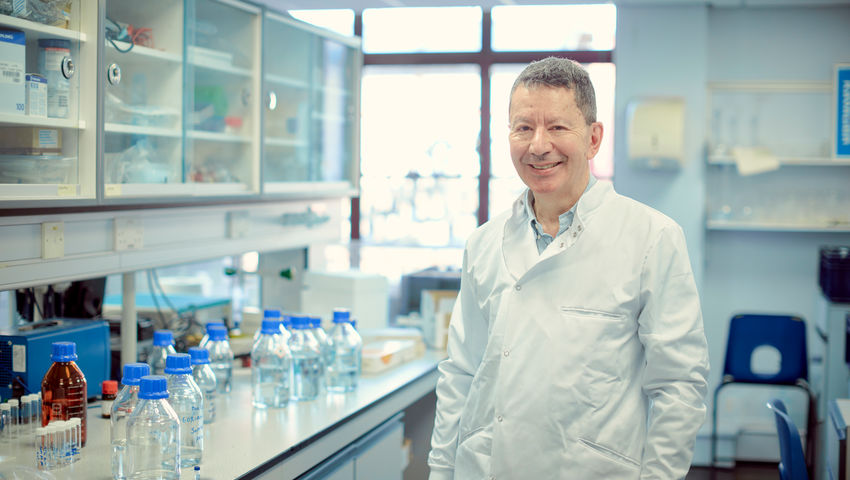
x,y
551,143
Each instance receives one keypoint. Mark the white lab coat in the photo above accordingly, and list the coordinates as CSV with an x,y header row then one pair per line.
x,y
586,362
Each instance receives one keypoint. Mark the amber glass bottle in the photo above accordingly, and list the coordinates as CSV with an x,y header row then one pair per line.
x,y
63,389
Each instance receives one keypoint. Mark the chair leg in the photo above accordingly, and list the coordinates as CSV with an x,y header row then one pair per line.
x,y
714,428
811,435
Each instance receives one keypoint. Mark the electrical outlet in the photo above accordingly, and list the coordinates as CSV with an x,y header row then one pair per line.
x,y
52,240
129,234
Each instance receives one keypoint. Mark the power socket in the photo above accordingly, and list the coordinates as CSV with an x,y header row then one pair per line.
x,y
129,234
52,240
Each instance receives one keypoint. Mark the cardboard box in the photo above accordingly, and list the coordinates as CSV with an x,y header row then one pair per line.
x,y
30,141
436,311
36,88
12,62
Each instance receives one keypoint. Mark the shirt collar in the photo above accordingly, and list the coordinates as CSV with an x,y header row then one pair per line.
x,y
564,219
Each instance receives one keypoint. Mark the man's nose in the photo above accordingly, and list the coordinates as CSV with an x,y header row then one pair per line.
x,y
540,143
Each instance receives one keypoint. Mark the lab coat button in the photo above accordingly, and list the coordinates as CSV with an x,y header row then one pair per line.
x,y
499,418
507,352
579,228
518,288
562,244
574,234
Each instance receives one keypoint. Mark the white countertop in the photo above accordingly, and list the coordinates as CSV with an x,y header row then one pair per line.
x,y
244,441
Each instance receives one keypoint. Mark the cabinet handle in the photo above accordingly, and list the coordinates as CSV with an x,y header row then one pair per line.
x,y
113,74
68,67
271,101
246,97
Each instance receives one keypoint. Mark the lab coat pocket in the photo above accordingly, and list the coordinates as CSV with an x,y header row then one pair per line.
x,y
474,450
608,463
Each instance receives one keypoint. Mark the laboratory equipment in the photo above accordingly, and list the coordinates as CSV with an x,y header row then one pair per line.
x,y
54,63
163,346
271,364
63,442
25,417
205,378
29,347
324,342
834,278
63,390
186,398
306,360
153,433
221,357
14,426
5,423
42,449
268,314
365,294
124,404
108,390
75,429
345,357
210,326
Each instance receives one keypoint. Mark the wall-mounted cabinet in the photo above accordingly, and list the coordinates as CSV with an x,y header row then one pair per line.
x,y
781,134
199,99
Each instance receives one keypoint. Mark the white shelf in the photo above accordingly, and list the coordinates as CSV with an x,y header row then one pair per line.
x,y
336,91
284,142
329,188
26,120
216,137
287,82
140,51
731,225
767,87
113,190
329,117
141,130
39,191
221,68
39,30
789,161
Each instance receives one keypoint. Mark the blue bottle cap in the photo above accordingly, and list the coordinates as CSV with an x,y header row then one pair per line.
x,y
286,321
217,331
300,322
199,355
271,313
342,315
178,363
153,387
315,322
64,352
133,372
163,338
270,327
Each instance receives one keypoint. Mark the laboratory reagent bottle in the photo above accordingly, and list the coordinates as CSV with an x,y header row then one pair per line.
x,y
346,350
221,357
108,390
306,360
153,433
64,394
209,326
324,345
186,398
163,346
123,405
268,314
205,378
270,367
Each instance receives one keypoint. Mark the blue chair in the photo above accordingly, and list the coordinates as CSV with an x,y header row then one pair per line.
x,y
792,463
785,333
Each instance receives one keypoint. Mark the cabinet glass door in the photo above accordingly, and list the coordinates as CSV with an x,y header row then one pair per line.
x,y
222,90
335,103
287,121
143,98
47,69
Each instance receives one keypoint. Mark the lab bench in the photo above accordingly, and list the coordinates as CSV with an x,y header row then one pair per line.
x,y
322,438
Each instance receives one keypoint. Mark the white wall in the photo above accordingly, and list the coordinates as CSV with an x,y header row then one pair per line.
x,y
667,50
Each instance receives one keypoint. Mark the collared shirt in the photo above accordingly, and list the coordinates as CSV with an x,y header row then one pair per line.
x,y
564,220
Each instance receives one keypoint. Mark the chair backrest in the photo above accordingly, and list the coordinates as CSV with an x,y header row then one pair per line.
x,y
792,462
786,333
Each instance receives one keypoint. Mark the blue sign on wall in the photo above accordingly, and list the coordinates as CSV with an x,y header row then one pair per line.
x,y
842,118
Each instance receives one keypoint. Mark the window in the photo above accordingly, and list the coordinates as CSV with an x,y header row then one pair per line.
x,y
553,27
401,30
339,20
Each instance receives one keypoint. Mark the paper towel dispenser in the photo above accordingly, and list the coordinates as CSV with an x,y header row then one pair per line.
x,y
656,132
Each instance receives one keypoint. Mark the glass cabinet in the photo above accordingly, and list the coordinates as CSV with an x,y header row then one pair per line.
x,y
312,95
47,119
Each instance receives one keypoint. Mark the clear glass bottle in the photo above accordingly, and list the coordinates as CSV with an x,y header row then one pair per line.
x,y
306,360
268,314
123,405
153,433
221,357
205,378
324,345
163,346
346,353
64,393
271,364
186,398
206,338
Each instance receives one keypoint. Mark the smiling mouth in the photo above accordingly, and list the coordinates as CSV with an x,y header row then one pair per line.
x,y
545,167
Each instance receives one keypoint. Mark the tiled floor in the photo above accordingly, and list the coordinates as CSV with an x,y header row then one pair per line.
x,y
743,471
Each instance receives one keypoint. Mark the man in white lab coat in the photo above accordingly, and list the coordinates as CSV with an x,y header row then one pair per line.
x,y
576,348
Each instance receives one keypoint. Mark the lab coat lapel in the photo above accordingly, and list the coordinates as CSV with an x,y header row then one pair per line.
x,y
519,247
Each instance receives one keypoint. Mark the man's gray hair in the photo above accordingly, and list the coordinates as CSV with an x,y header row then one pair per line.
x,y
561,73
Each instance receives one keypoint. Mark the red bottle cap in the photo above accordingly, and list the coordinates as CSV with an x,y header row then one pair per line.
x,y
109,387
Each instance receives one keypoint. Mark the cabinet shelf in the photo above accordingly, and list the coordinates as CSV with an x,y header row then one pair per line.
x,y
141,130
287,81
139,51
216,137
173,189
284,142
39,191
26,120
731,225
789,161
38,30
